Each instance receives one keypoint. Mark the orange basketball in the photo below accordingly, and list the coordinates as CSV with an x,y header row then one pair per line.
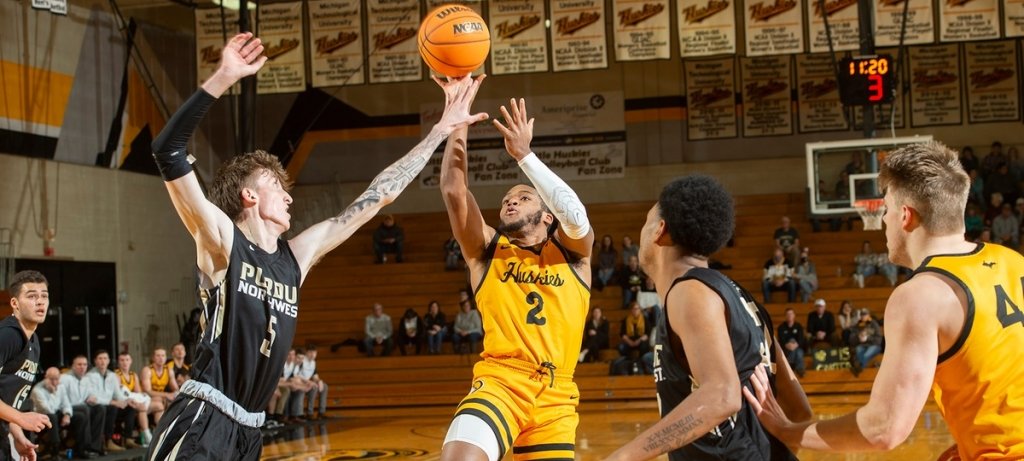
x,y
454,40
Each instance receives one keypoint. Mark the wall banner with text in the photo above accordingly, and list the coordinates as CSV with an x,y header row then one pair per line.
x,y
210,38
964,20
766,83
993,86
281,31
706,27
642,29
1013,18
818,108
773,27
842,25
578,38
889,21
519,43
710,98
935,97
336,40
392,26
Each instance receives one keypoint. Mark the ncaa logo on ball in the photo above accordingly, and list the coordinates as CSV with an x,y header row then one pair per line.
x,y
467,28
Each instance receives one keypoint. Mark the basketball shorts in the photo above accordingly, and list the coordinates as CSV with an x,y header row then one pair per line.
x,y
193,429
531,410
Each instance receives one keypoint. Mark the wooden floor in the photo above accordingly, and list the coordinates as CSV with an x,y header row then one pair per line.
x,y
409,434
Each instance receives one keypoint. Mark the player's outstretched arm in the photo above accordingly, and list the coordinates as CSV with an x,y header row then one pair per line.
x,y
468,225
313,243
209,226
574,231
698,318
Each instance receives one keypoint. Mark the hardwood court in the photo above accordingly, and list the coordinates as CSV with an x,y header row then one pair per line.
x,y
417,435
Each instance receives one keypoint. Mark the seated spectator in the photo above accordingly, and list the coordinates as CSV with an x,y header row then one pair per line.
x,y
316,397
464,295
995,207
791,337
435,327
973,222
870,263
648,300
985,236
388,238
648,358
87,415
635,333
976,193
847,320
806,276
178,362
107,389
994,158
1015,163
595,335
453,255
158,382
778,276
820,325
867,343
51,399
606,260
1006,228
278,408
468,328
629,249
378,332
410,331
787,239
967,159
1003,182
300,386
631,278
132,388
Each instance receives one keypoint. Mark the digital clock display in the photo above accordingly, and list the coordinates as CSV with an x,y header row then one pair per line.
x,y
866,80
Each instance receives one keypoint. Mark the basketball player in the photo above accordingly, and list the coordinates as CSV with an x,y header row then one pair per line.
x,y
955,327
249,276
158,383
130,385
712,338
533,291
19,363
178,363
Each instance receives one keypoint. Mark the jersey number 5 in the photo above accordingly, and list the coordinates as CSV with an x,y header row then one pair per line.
x,y
532,316
268,342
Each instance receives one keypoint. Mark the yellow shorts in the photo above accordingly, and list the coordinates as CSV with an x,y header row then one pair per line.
x,y
529,410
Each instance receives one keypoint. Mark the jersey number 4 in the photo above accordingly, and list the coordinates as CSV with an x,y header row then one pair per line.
x,y
1007,312
533,317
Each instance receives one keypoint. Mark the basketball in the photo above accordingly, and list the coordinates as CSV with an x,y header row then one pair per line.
x,y
453,40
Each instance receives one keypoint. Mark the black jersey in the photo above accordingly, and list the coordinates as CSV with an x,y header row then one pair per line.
x,y
19,359
741,436
249,323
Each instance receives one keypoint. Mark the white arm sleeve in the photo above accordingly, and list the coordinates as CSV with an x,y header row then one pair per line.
x,y
558,196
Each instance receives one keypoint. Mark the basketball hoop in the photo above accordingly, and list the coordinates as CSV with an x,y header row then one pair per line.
x,y
871,211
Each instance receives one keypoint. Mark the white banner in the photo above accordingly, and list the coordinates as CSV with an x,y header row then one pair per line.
x,y
55,6
962,20
578,38
392,26
706,27
642,30
518,41
336,42
767,107
935,97
1013,17
710,98
773,27
993,92
889,21
842,25
281,31
210,38
819,108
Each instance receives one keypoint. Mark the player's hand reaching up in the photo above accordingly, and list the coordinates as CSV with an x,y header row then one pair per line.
x,y
459,94
240,58
519,132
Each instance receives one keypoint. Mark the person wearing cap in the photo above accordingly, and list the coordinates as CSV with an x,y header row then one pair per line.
x,y
820,325
388,238
867,343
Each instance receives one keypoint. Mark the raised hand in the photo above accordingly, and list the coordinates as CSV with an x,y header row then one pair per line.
x,y
458,98
519,131
240,58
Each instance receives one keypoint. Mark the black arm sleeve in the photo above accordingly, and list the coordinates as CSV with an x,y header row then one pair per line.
x,y
169,145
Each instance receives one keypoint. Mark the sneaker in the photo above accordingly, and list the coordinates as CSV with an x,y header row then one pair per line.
x,y
113,447
583,355
146,437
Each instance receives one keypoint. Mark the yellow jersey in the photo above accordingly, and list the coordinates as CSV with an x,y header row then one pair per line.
x,y
159,382
979,381
127,381
533,304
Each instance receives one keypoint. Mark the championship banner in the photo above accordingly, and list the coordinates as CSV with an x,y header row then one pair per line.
x,y
518,42
773,27
935,85
578,38
710,98
842,24
818,108
767,107
889,20
642,29
707,27
993,88
963,20
336,42
595,147
55,6
210,38
281,31
392,26
1013,18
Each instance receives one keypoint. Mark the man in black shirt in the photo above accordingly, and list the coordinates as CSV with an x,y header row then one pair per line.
x,y
791,337
388,238
787,239
821,324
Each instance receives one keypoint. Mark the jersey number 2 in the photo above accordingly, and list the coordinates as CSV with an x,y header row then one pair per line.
x,y
532,316
268,342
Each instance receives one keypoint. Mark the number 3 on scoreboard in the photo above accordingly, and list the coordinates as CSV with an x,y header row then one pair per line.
x,y
532,317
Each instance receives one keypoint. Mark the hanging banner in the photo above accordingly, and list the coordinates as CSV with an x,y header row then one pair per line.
x,y
707,27
818,108
392,26
642,29
210,39
963,20
579,136
767,107
518,42
1013,18
281,31
889,21
935,85
336,42
773,27
842,24
993,88
710,98
578,38
55,6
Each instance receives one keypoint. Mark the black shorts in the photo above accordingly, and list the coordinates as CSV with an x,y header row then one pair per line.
x,y
192,429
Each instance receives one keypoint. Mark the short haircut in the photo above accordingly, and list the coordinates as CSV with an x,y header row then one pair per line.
x,y
310,347
237,173
698,213
23,277
80,356
929,177
122,354
100,351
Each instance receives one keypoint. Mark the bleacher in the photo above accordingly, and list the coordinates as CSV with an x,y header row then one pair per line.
x,y
339,294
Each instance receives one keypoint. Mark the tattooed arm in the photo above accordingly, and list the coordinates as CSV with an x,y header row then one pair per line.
x,y
313,243
697,317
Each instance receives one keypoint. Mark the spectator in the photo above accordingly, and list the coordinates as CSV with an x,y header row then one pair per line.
x,y
435,327
843,186
791,337
648,357
870,263
410,331
87,415
595,335
976,193
178,362
847,320
995,207
132,387
629,249
378,332
867,343
778,276
1003,182
856,164
316,397
635,330
985,236
820,325
467,328
967,159
631,278
787,239
994,158
107,389
1016,165
158,382
464,295
1006,228
973,223
388,238
453,255
648,300
806,276
300,385
607,258
51,399
278,407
